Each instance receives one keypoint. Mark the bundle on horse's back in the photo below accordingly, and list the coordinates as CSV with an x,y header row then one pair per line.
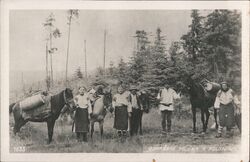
x,y
37,109
98,106
212,87
32,102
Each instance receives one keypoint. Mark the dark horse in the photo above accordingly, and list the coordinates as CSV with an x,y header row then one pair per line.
x,y
144,100
57,102
199,98
100,107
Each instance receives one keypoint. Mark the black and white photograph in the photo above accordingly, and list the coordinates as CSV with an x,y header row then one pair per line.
x,y
110,81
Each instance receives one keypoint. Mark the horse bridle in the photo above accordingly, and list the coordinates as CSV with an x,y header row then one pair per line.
x,y
65,99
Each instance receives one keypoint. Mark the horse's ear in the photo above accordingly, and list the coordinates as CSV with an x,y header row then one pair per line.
x,y
68,90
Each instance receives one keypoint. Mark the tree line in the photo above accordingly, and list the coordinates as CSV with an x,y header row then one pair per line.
x,y
211,49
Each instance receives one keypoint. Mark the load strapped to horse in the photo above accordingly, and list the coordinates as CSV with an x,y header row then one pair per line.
x,y
210,87
37,106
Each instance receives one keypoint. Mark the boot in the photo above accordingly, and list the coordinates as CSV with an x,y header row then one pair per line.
x,y
219,135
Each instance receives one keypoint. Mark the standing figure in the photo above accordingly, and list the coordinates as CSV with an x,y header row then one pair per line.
x,y
166,98
136,110
122,112
225,103
82,115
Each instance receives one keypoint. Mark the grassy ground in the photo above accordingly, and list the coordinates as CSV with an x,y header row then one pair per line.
x,y
33,136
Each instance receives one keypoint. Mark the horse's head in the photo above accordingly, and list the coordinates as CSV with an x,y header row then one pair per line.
x,y
69,99
107,101
144,98
194,87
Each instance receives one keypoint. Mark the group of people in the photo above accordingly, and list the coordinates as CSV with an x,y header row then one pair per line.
x,y
226,104
128,109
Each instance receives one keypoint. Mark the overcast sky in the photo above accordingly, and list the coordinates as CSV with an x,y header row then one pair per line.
x,y
27,35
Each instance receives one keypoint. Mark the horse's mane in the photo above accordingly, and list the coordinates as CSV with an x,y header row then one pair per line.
x,y
57,101
196,90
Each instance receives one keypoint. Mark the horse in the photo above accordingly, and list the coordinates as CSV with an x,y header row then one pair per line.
x,y
199,98
100,107
59,102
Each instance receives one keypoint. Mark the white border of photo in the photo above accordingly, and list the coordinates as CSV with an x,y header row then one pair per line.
x,y
6,6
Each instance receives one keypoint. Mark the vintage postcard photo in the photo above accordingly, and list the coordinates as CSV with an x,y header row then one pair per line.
x,y
148,79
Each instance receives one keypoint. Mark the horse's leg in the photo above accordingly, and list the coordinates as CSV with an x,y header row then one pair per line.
x,y
18,124
207,118
50,125
194,119
92,129
215,118
19,120
203,120
101,128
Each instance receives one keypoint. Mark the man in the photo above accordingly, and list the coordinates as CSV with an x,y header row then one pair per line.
x,y
166,98
136,110
226,102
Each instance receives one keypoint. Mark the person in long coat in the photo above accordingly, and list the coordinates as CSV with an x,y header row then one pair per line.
x,y
136,110
226,103
82,114
122,112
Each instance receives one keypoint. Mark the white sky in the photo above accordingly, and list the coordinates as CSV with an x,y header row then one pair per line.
x,y
27,35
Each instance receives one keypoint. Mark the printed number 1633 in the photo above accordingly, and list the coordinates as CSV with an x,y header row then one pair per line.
x,y
19,149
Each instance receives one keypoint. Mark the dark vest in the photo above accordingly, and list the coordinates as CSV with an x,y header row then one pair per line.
x,y
137,99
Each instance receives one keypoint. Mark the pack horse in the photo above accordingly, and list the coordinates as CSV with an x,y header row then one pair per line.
x,y
46,111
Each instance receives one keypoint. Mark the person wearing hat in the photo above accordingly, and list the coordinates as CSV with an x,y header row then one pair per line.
x,y
136,110
82,115
166,97
122,111
225,103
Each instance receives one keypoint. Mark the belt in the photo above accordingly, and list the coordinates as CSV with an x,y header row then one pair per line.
x,y
166,104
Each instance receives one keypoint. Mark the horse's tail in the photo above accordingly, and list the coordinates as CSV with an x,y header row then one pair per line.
x,y
11,107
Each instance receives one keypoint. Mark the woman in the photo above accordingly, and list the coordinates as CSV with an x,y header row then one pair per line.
x,y
226,103
122,112
82,114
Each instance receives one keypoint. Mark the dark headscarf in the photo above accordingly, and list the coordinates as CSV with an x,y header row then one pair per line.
x,y
224,82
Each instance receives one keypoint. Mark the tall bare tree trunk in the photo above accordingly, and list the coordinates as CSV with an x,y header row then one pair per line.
x,y
51,64
85,59
47,69
104,52
51,69
67,59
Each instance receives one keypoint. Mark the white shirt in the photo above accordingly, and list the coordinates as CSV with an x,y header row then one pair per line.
x,y
225,98
83,102
120,99
167,96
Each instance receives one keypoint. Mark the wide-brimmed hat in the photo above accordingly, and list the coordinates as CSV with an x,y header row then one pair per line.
x,y
133,88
